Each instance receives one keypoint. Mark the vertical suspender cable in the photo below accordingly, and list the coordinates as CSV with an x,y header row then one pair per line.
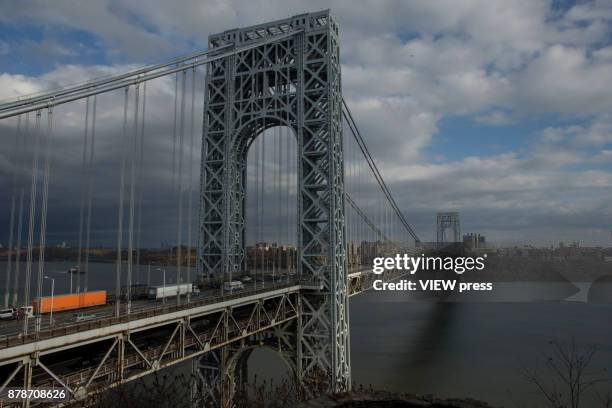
x,y
275,175
92,147
134,149
32,217
179,237
286,201
277,198
263,212
22,182
139,186
174,130
347,216
190,190
120,211
83,176
174,134
255,212
12,222
43,217
291,220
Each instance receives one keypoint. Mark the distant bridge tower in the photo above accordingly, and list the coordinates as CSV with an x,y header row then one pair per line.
x,y
445,221
293,81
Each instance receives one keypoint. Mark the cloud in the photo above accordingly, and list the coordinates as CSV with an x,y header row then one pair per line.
x,y
405,67
496,118
598,133
4,48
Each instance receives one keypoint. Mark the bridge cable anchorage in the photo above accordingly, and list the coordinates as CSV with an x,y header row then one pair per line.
x,y
190,189
181,152
83,177
32,215
43,216
90,175
15,163
23,184
121,209
372,164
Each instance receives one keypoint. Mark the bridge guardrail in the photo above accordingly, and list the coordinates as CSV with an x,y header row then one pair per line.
x,y
68,328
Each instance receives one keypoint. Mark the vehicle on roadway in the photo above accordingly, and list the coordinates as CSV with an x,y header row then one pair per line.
x,y
8,314
81,317
233,286
69,301
16,314
160,292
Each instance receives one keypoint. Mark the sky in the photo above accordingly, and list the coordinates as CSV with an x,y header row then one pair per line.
x,y
499,110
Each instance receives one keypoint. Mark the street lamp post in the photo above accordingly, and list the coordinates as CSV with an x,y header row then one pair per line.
x,y
52,298
164,284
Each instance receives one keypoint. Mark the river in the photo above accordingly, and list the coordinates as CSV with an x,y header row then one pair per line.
x,y
449,349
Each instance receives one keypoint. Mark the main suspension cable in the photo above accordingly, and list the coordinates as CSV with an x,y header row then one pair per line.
x,y
357,135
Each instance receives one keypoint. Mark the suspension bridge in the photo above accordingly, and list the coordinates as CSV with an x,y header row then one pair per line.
x,y
291,204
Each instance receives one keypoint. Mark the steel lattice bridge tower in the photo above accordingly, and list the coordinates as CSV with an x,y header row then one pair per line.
x,y
286,74
444,221
294,82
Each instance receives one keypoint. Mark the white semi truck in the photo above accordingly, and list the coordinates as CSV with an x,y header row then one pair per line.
x,y
160,292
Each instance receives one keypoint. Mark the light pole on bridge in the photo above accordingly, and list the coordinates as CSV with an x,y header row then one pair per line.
x,y
164,284
52,298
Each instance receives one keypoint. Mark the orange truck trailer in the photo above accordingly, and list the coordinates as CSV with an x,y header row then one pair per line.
x,y
70,301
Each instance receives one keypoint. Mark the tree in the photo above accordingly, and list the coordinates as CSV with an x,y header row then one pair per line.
x,y
565,377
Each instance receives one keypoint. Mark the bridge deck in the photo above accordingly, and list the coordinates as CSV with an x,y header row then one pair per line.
x,y
17,344
120,349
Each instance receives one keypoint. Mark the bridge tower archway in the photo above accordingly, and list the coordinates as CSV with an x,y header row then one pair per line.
x,y
291,80
224,373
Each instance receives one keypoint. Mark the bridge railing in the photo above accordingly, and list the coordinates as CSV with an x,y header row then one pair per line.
x,y
71,328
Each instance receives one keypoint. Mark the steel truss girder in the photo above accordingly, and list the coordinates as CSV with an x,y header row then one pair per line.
x,y
174,341
294,82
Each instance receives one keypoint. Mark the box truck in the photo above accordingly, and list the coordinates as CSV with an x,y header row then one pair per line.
x,y
69,301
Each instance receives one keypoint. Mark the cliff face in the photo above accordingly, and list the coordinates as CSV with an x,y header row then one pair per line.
x,y
379,399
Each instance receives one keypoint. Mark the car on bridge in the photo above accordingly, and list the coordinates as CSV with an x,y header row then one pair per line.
x,y
233,286
8,314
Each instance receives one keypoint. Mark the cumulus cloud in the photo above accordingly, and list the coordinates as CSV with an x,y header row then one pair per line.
x,y
496,118
406,66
